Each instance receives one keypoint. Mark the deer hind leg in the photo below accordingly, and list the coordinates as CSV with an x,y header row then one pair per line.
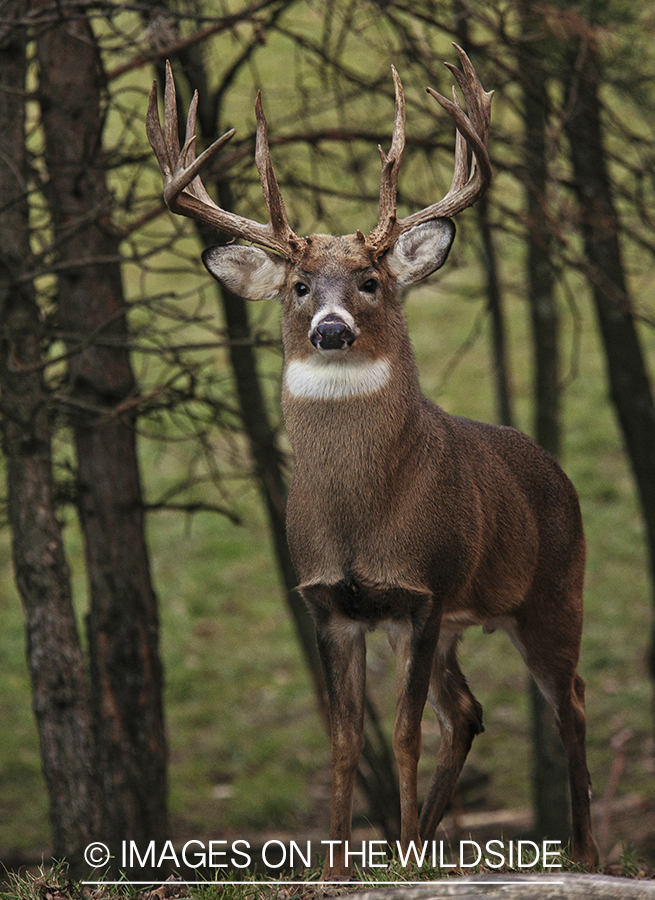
x,y
460,719
552,658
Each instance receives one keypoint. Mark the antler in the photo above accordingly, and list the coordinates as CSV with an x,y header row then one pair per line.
x,y
465,189
185,193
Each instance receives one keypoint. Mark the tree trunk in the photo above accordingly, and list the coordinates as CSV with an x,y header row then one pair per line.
x,y
550,791
122,625
54,656
499,351
628,378
501,375
268,463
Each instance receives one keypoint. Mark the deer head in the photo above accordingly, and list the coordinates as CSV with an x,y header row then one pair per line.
x,y
396,250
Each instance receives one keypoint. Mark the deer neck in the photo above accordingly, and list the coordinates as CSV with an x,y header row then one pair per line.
x,y
356,453
346,412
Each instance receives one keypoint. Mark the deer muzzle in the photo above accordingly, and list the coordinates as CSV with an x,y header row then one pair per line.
x,y
332,333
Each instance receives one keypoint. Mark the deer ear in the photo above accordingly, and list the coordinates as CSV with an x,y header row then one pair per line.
x,y
249,272
421,250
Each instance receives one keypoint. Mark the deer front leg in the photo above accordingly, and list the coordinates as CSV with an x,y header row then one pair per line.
x,y
414,641
342,648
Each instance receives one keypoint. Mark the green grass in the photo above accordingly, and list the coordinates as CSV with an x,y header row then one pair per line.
x,y
52,882
248,753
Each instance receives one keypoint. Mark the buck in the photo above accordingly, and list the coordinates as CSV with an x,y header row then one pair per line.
x,y
400,515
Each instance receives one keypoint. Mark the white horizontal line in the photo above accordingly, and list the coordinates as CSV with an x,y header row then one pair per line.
x,y
537,882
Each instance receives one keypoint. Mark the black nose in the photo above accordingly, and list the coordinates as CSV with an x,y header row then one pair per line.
x,y
332,334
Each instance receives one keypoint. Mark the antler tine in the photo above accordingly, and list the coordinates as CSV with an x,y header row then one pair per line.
x,y
171,130
391,162
460,168
184,191
466,188
475,133
155,135
476,98
270,188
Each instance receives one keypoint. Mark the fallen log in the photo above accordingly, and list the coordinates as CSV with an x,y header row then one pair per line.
x,y
567,886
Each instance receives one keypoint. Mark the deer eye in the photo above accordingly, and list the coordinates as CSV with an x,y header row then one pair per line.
x,y
301,289
370,286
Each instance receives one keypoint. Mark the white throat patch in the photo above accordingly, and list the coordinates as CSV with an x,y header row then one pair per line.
x,y
319,378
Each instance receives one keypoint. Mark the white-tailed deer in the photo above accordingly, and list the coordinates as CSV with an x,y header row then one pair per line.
x,y
400,515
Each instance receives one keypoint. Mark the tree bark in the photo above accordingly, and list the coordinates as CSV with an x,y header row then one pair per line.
x,y
54,656
122,625
500,354
550,791
268,463
628,378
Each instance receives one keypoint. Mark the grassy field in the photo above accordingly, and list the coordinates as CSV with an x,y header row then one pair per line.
x,y
248,754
